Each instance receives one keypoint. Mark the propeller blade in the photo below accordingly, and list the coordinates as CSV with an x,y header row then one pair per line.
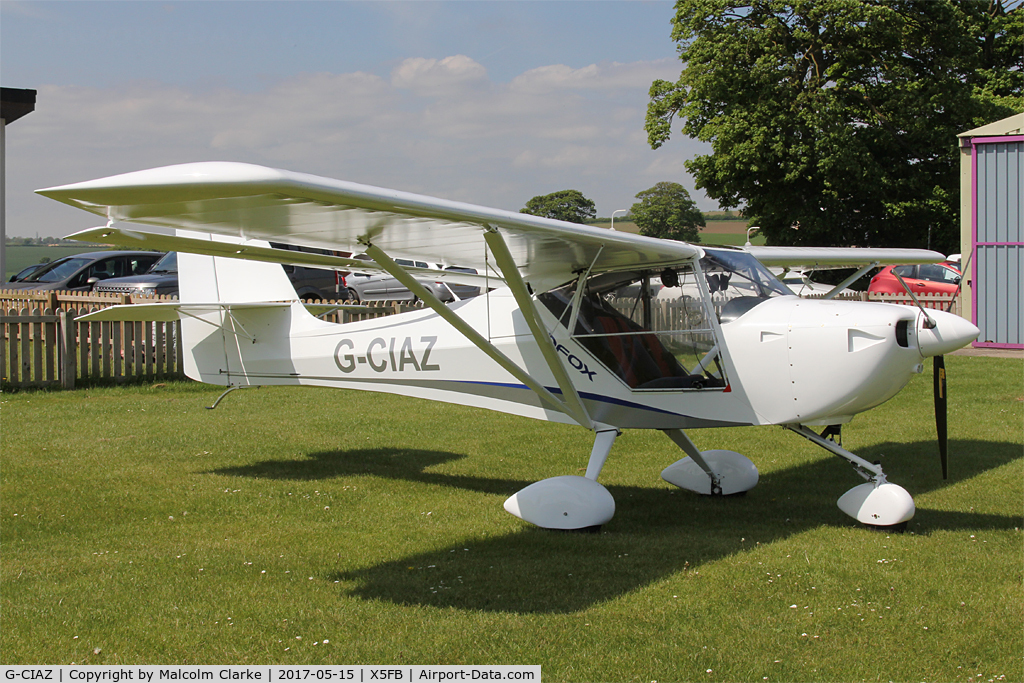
x,y
939,387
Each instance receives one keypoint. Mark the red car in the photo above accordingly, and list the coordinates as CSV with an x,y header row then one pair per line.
x,y
929,278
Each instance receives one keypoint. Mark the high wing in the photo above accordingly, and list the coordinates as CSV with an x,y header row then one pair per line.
x,y
824,258
254,202
833,258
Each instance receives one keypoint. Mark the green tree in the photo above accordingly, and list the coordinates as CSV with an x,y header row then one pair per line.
x,y
840,116
566,205
666,211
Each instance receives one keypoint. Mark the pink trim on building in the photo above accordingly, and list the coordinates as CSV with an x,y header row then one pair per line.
x,y
987,140
997,139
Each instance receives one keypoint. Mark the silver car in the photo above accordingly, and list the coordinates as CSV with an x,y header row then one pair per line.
x,y
381,286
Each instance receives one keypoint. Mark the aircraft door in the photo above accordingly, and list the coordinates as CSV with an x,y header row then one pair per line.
x,y
649,335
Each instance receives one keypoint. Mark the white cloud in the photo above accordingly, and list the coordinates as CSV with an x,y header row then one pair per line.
x,y
439,127
432,77
603,76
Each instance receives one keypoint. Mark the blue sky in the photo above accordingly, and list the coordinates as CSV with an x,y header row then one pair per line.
x,y
485,102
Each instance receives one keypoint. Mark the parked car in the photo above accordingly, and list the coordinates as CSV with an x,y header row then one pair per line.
x,y
927,278
310,283
81,271
381,286
801,284
463,291
25,272
161,278
315,283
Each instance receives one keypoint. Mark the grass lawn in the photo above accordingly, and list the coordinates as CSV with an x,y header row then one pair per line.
x,y
318,526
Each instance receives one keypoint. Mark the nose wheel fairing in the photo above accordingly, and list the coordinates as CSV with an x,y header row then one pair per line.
x,y
876,503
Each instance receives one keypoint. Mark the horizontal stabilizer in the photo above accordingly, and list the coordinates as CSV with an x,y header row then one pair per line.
x,y
171,311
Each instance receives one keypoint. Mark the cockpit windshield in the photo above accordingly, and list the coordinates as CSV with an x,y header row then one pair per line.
x,y
736,280
653,329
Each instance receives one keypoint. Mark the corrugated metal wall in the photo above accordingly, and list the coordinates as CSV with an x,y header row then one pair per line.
x,y
999,242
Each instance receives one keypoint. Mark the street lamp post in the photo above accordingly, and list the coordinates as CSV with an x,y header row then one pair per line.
x,y
755,227
615,212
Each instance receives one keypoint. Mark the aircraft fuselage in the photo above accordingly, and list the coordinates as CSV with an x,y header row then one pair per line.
x,y
785,361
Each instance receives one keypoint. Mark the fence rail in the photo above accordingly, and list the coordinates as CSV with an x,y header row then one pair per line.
x,y
42,343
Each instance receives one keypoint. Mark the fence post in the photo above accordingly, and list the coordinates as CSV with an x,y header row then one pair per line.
x,y
51,347
13,346
3,348
26,345
38,374
68,355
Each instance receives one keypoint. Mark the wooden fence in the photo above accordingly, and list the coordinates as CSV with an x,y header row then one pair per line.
x,y
941,302
42,343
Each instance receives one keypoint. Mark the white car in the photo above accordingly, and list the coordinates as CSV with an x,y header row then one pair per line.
x,y
381,286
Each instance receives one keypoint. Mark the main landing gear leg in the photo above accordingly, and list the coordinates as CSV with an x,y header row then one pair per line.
x,y
569,502
712,473
876,503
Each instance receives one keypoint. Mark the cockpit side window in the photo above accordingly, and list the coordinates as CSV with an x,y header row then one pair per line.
x,y
647,342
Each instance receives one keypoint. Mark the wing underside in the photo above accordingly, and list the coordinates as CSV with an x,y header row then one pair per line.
x,y
824,258
254,202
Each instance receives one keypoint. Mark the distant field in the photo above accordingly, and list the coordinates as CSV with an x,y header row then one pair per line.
x,y
726,227
23,257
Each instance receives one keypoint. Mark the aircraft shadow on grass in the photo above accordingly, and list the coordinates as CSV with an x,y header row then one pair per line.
x,y
656,532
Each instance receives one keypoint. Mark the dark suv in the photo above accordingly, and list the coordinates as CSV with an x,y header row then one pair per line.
x,y
161,278
314,283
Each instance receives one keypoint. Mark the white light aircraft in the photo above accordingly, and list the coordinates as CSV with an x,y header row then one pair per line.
x,y
567,329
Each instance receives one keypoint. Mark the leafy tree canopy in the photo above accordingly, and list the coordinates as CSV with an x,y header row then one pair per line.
x,y
566,205
840,116
666,211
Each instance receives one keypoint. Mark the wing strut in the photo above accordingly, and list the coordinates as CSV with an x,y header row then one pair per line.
x,y
573,405
396,271
577,298
850,280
